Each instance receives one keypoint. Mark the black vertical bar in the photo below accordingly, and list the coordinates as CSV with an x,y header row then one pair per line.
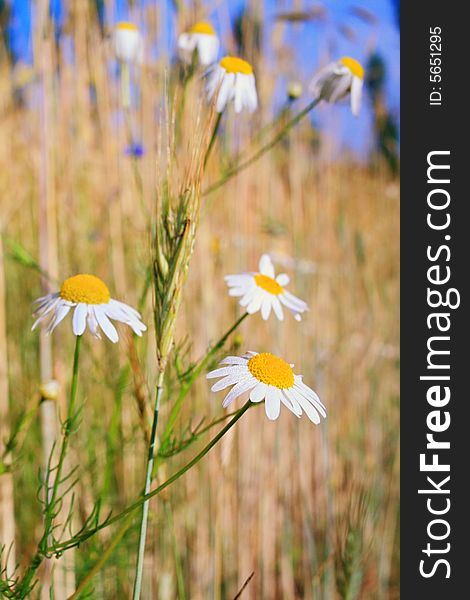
x,y
434,118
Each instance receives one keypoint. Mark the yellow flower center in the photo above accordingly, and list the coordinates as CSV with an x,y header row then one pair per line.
x,y
202,27
270,369
354,66
126,25
84,288
268,284
233,64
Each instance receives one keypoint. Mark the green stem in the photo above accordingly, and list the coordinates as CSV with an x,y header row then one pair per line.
x,y
25,584
148,481
138,503
262,151
50,503
213,138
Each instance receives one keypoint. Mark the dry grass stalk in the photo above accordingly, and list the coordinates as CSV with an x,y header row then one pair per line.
x,y
63,573
7,502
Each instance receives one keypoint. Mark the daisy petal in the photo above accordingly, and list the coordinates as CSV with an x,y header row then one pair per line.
x,y
247,298
319,79
308,392
255,303
62,311
266,266
294,302
237,291
356,95
309,409
239,280
45,308
223,371
282,279
272,403
234,360
108,328
79,319
259,392
44,300
266,307
239,389
93,323
317,405
277,308
341,87
292,405
228,380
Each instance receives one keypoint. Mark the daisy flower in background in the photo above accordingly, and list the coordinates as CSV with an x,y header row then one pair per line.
x,y
269,378
337,79
264,291
232,79
128,43
92,304
202,38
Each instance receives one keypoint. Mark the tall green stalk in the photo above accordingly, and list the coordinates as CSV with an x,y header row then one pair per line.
x,y
148,483
213,138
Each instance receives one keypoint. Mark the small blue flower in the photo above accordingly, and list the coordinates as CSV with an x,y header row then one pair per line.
x,y
135,150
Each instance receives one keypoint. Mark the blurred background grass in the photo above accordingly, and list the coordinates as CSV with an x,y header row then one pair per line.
x,y
312,511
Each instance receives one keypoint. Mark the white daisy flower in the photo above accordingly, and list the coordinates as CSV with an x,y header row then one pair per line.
x,y
94,307
264,291
232,79
337,79
128,43
269,378
200,37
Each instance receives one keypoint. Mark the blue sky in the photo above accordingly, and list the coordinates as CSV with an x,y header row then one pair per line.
x,y
311,42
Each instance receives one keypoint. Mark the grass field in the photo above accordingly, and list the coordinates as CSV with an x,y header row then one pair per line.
x,y
311,511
